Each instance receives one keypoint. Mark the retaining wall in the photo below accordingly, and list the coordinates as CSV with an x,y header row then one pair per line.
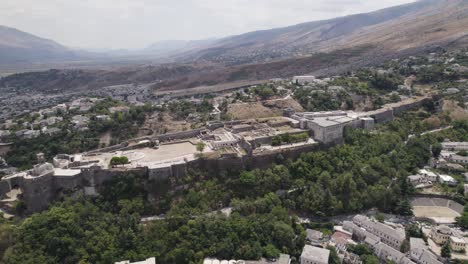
x,y
180,135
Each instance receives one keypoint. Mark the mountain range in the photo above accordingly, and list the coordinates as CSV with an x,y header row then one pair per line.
x,y
320,47
18,46
415,25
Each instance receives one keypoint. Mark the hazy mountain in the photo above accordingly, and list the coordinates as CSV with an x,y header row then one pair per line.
x,y
321,47
167,47
415,25
18,46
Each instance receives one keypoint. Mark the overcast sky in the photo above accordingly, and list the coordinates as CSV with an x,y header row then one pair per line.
x,y
137,23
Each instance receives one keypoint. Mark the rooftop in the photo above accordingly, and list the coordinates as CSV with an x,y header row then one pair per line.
x,y
314,234
417,243
148,261
447,178
427,172
66,172
457,239
315,253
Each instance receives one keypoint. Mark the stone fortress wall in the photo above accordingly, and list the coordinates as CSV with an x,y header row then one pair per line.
x,y
40,190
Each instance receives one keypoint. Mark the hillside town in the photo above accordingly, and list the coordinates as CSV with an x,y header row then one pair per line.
x,y
364,167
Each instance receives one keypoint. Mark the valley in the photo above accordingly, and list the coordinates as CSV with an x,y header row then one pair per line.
x,y
336,141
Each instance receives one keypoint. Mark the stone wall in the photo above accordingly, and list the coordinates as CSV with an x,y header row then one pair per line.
x,y
398,110
383,116
108,149
68,183
214,125
4,187
180,135
160,174
38,192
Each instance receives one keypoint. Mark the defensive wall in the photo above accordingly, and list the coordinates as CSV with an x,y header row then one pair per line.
x,y
39,192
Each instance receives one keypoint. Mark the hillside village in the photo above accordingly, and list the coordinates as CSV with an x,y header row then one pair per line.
x,y
118,133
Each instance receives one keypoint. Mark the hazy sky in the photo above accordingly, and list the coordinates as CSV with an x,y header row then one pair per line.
x,y
138,23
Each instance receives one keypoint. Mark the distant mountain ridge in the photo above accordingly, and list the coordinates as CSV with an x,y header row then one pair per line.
x,y
401,27
170,46
18,46
410,26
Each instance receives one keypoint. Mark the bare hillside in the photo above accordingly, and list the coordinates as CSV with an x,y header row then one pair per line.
x,y
18,46
415,25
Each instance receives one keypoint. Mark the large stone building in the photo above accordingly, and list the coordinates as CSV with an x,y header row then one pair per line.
x,y
303,79
393,237
455,146
314,255
282,259
383,240
328,127
443,234
458,159
420,253
389,254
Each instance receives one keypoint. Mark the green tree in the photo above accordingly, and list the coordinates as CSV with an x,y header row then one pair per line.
x,y
333,259
436,150
270,251
115,161
404,207
405,246
446,251
200,147
369,259
380,217
462,220
360,249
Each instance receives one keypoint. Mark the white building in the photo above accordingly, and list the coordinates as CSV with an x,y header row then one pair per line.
x,y
314,255
429,175
224,140
119,109
441,234
53,120
457,243
148,261
458,159
31,134
314,235
455,146
102,118
387,253
420,253
4,133
419,181
51,131
393,237
446,179
328,127
60,108
80,122
303,79
283,259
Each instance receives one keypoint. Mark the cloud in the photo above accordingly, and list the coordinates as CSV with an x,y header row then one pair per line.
x,y
137,23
